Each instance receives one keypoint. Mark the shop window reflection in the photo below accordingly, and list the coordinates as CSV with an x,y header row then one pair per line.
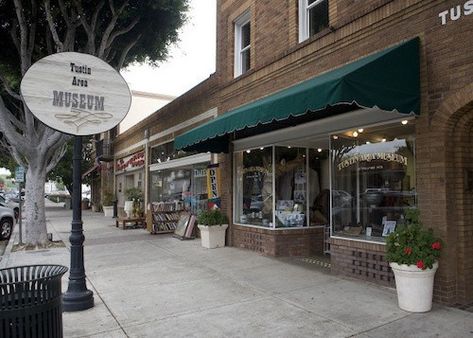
x,y
373,181
254,181
291,187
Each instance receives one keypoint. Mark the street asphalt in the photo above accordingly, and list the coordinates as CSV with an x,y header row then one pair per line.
x,y
158,286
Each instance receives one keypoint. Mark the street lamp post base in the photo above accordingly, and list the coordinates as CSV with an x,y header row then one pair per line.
x,y
77,301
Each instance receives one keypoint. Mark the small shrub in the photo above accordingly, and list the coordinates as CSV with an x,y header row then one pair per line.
x,y
411,244
107,199
134,194
212,217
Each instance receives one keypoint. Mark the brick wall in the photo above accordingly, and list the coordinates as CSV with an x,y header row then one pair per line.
x,y
290,242
360,28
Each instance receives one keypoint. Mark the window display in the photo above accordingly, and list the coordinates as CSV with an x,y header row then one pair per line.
x,y
254,184
291,187
186,185
373,180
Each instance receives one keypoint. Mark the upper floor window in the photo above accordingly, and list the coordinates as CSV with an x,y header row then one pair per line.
x,y
242,44
313,17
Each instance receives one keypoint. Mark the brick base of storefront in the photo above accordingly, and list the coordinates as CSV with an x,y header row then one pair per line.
x,y
361,260
287,242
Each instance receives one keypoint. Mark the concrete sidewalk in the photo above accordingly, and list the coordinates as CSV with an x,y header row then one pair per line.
x,y
158,286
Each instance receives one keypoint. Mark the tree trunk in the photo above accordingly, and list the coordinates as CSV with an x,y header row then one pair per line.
x,y
35,217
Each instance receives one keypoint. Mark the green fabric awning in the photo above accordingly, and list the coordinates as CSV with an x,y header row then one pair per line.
x,y
388,79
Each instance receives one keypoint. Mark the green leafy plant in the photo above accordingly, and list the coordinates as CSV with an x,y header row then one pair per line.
x,y
412,244
107,199
134,194
212,217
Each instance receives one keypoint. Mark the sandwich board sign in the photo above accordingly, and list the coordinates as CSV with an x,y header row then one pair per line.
x,y
76,93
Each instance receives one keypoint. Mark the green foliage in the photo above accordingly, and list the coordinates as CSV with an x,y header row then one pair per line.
x,y
107,199
411,244
212,217
62,173
134,194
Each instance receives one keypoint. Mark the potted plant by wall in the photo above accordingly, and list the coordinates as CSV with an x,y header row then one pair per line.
x,y
134,198
212,225
107,204
413,253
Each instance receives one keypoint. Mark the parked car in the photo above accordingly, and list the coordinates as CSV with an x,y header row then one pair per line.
x,y
9,203
7,217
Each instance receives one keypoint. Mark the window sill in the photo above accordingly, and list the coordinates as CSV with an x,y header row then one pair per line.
x,y
278,229
361,238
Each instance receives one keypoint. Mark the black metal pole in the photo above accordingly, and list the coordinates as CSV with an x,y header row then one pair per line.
x,y
77,296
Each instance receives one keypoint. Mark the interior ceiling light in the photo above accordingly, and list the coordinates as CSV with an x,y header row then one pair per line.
x,y
319,150
368,142
355,134
404,122
248,151
335,137
261,148
289,147
360,130
383,140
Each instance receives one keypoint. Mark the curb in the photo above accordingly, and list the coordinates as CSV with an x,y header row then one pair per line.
x,y
6,255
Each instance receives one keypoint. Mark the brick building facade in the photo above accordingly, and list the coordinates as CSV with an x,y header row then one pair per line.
x,y
280,58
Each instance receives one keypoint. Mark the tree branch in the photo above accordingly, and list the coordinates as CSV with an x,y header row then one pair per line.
x,y
16,156
49,18
8,88
122,31
11,134
25,64
34,14
14,36
125,52
110,27
56,156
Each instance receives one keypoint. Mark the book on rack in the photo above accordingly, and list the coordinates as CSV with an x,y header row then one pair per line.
x,y
181,226
190,227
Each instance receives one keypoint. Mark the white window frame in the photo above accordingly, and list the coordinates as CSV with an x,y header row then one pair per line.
x,y
304,8
239,23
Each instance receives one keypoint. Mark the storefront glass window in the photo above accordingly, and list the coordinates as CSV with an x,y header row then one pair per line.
x,y
373,180
254,184
291,187
319,187
166,152
185,186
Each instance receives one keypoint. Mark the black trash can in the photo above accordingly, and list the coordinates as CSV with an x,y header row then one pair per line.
x,y
115,209
31,301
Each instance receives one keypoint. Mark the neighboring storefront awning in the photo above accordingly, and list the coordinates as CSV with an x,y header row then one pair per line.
x,y
91,170
388,80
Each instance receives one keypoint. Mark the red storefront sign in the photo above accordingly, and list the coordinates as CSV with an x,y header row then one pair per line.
x,y
133,161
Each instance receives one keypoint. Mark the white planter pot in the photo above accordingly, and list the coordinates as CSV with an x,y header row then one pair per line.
x,y
414,286
128,208
108,211
213,236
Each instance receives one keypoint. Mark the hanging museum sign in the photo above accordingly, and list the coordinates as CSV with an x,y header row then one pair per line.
x,y
76,93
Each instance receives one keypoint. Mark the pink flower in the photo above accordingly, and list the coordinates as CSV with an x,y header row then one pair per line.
x,y
420,264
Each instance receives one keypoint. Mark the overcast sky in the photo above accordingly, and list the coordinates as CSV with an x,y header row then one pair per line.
x,y
190,62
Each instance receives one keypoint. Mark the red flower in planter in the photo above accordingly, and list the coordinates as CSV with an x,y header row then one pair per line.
x,y
436,245
420,264
408,250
